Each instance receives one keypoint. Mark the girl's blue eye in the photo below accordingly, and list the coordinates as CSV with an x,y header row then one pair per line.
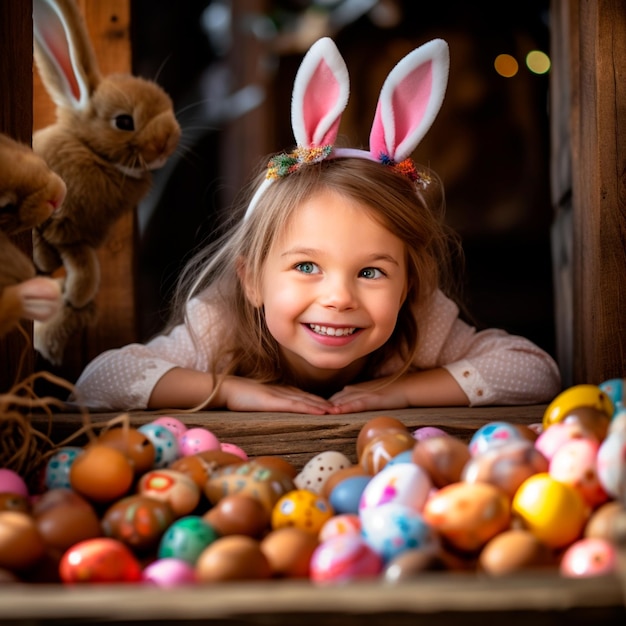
x,y
371,272
306,267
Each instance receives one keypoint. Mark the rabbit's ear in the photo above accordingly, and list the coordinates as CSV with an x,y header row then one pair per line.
x,y
320,95
410,100
63,53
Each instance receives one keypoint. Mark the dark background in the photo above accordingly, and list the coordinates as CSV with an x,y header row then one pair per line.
x,y
489,142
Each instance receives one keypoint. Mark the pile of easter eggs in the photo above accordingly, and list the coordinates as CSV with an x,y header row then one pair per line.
x,y
168,505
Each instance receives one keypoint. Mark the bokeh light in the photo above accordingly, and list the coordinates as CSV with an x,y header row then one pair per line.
x,y
538,62
506,65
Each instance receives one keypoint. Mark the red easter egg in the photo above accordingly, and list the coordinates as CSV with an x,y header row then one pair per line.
x,y
100,560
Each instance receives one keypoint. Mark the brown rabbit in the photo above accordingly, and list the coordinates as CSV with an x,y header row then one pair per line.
x,y
29,194
110,133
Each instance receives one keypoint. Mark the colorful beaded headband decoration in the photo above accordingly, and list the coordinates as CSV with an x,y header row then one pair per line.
x,y
409,101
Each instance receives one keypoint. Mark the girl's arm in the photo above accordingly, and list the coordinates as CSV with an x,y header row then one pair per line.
x,y
181,388
434,387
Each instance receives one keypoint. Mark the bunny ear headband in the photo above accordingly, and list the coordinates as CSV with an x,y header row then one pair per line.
x,y
409,101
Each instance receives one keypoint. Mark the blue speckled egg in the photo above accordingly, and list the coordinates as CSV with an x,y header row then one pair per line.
x,y
57,474
614,388
392,528
165,442
493,434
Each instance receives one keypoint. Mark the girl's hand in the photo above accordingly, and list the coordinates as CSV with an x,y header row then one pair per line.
x,y
243,394
374,395
434,387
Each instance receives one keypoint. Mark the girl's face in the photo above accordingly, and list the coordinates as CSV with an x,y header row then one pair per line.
x,y
331,288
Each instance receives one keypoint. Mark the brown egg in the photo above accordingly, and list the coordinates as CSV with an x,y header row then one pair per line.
x,y
381,449
443,457
608,521
138,521
277,462
412,563
14,502
590,419
339,476
374,428
133,443
21,543
289,551
513,551
238,514
64,518
232,558
202,465
101,473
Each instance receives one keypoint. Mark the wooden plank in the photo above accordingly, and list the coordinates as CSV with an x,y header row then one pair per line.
x,y
564,56
16,43
432,599
109,29
297,437
598,166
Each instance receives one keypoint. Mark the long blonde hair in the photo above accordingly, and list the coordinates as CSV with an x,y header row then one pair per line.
x,y
414,215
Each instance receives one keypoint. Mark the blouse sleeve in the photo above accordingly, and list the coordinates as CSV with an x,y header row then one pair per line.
x,y
491,366
123,379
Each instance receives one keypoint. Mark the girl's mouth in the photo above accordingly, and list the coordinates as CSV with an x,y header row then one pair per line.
x,y
330,331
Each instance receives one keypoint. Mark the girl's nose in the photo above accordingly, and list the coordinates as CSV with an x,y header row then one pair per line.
x,y
338,292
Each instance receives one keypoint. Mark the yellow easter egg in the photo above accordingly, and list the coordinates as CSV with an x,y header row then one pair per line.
x,y
303,509
575,397
553,511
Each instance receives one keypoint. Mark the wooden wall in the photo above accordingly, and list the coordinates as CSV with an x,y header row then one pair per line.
x,y
588,119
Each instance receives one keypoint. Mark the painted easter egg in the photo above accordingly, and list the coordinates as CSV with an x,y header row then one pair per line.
x,y
195,440
574,463
344,558
138,521
186,539
175,425
319,469
589,557
611,466
175,488
264,482
57,471
405,483
99,560
468,515
392,528
506,466
301,508
165,442
493,434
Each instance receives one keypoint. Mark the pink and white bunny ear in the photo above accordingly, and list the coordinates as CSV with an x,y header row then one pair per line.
x,y
410,100
320,95
63,52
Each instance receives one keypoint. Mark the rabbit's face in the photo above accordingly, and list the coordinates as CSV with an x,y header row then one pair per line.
x,y
29,191
130,122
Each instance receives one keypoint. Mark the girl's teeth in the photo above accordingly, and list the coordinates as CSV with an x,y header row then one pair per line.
x,y
331,332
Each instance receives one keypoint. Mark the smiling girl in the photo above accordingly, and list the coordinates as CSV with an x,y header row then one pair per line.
x,y
327,295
